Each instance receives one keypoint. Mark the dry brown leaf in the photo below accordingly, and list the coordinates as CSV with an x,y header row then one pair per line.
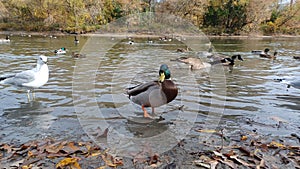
x,y
70,148
27,166
7,148
95,154
261,164
207,131
240,161
213,164
219,155
54,148
245,150
230,153
244,138
102,167
229,163
201,164
276,145
72,162
107,161
30,154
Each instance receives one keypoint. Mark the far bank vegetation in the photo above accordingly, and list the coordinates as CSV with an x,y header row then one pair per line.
x,y
216,17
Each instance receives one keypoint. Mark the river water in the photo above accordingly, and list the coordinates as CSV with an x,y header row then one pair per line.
x,y
84,96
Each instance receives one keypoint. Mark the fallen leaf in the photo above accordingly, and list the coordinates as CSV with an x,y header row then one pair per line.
x,y
230,153
245,150
30,154
240,161
261,164
95,154
72,162
207,131
201,164
102,167
213,164
27,166
244,138
70,148
229,163
276,145
219,155
7,148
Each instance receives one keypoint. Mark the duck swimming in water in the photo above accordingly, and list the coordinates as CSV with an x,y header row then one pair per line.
x,y
196,63
6,40
257,52
78,55
156,93
76,41
266,55
60,51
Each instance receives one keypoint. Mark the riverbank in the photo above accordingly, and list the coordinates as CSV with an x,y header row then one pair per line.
x,y
247,149
142,35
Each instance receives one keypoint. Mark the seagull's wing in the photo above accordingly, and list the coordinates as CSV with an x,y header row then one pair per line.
x,y
295,84
20,78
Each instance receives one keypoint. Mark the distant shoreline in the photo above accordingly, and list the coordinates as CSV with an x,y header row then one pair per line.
x,y
57,33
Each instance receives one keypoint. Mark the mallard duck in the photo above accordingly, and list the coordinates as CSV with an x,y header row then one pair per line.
x,y
225,60
131,42
156,93
296,57
6,40
76,41
78,55
60,51
195,63
257,52
149,40
266,55
187,49
165,39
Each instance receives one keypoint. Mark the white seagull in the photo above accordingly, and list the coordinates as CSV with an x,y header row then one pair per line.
x,y
292,82
30,79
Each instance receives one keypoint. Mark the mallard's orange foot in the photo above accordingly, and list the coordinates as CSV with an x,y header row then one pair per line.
x,y
146,114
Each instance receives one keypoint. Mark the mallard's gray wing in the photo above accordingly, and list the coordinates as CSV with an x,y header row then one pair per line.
x,y
133,91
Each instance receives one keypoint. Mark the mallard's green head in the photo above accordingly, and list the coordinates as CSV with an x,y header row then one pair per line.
x,y
266,50
164,73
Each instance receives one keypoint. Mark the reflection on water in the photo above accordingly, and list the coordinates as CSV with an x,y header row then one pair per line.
x,y
248,89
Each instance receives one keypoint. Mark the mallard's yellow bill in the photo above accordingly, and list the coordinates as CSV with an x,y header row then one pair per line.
x,y
162,77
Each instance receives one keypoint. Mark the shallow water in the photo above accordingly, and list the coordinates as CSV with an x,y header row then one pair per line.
x,y
86,95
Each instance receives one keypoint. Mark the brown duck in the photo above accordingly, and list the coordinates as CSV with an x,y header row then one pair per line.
x,y
156,93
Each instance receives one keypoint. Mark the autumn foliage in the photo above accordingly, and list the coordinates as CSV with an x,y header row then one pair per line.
x,y
213,16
